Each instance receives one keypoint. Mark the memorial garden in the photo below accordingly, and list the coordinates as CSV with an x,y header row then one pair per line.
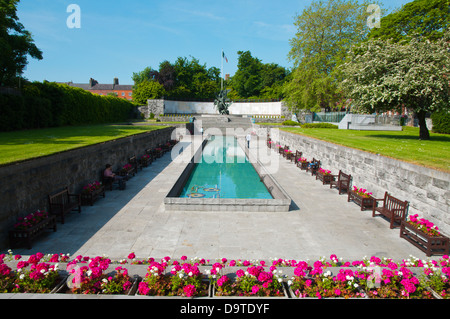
x,y
103,196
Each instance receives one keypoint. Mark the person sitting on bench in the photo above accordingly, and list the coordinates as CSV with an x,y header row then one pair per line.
x,y
108,173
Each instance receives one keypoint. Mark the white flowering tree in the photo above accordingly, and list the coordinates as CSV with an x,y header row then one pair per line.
x,y
382,76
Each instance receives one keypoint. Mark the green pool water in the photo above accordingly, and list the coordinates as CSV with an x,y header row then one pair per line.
x,y
224,172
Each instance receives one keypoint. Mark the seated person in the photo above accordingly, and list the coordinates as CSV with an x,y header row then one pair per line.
x,y
108,173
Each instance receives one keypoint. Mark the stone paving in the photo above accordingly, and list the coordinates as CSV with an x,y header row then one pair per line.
x,y
320,223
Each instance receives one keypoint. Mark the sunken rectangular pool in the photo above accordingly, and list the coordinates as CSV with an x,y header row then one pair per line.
x,y
223,176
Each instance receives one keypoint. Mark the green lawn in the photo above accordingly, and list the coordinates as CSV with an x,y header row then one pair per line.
x,y
405,145
23,145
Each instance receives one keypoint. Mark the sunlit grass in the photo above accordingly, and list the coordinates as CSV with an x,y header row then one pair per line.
x,y
22,145
404,145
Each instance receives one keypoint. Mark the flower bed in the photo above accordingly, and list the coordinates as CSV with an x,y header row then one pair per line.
x,y
361,197
438,279
323,278
393,283
314,282
302,163
184,280
424,235
145,160
29,227
325,176
254,282
90,276
30,276
91,192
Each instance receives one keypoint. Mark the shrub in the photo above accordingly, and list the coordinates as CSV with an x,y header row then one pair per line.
x,y
50,104
290,123
319,125
441,122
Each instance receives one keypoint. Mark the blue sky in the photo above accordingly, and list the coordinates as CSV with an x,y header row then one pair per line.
x,y
118,38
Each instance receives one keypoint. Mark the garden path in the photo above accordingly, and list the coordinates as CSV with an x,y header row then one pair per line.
x,y
320,223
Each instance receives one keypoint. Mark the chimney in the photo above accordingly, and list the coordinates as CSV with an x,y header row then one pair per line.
x,y
92,82
116,81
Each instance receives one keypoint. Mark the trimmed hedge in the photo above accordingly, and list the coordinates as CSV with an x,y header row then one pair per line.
x,y
50,104
319,125
291,123
441,122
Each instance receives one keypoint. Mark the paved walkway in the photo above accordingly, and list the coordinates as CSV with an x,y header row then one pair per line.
x,y
320,223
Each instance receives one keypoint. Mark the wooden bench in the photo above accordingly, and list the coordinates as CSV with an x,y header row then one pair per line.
x,y
63,203
392,208
342,182
135,163
297,156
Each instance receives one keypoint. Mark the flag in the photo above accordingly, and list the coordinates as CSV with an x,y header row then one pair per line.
x,y
224,56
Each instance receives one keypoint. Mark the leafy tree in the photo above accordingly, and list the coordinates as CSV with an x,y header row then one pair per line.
x,y
146,90
193,80
425,18
326,31
148,74
16,43
383,75
247,80
256,79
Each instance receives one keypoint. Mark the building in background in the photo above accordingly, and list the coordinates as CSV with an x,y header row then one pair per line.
x,y
122,91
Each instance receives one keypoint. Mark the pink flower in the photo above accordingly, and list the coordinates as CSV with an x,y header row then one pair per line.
x,y
183,258
143,288
240,273
131,256
222,280
337,292
255,290
189,290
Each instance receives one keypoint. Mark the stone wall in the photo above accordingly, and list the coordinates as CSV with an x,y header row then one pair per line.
x,y
158,107
26,185
427,190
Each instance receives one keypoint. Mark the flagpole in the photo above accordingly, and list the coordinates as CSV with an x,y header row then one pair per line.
x,y
222,73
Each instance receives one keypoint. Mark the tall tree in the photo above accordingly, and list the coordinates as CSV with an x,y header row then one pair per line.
x,y
384,75
257,79
325,32
247,79
16,43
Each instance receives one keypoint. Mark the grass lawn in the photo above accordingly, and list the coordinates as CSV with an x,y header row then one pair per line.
x,y
405,145
23,145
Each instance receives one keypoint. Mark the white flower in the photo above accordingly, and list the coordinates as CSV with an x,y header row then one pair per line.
x,y
290,282
190,274
105,280
22,276
180,275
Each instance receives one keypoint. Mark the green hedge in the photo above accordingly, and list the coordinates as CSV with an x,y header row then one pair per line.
x,y
319,125
291,123
441,122
51,104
